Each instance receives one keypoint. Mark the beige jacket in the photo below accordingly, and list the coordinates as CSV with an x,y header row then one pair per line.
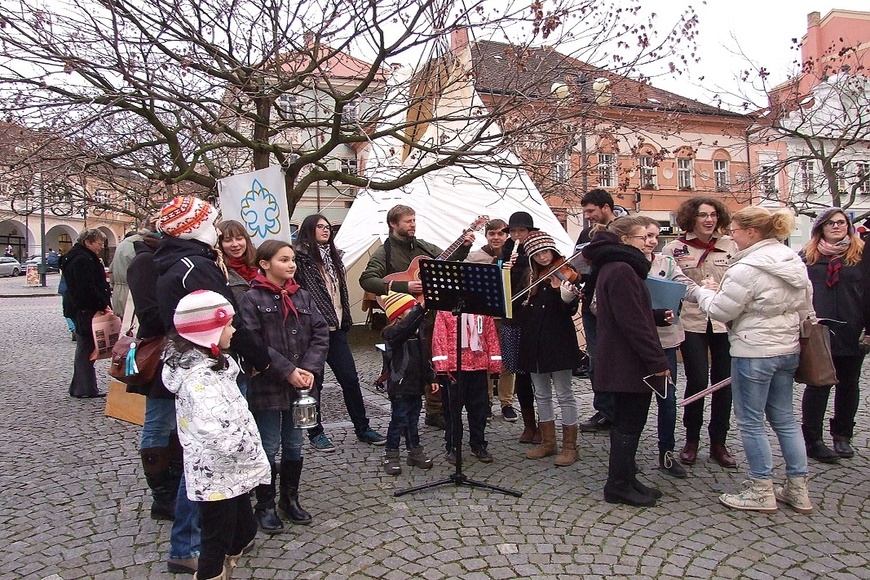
x,y
688,258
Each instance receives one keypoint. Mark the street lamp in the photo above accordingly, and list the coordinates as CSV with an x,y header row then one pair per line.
x,y
43,267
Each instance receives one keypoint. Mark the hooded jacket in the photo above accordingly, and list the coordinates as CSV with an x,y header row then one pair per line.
x,y
187,265
762,297
87,288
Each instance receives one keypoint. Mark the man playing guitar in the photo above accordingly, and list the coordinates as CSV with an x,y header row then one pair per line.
x,y
395,256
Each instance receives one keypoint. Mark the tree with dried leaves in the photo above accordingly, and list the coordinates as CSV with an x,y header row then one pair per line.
x,y
188,92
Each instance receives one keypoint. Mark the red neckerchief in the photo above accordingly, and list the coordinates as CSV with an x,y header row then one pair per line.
x,y
242,268
289,289
698,244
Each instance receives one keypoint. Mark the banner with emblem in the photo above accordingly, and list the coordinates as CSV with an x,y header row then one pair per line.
x,y
258,201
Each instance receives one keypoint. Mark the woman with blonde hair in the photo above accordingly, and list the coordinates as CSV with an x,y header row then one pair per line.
x,y
833,259
763,296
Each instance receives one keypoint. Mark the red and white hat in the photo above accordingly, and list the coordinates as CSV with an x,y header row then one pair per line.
x,y
189,218
201,316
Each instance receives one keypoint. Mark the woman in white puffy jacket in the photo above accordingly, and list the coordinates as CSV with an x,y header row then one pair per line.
x,y
763,296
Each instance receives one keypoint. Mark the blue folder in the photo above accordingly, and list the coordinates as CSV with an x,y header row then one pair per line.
x,y
666,294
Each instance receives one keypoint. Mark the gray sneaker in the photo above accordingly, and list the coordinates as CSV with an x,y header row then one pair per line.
x,y
322,443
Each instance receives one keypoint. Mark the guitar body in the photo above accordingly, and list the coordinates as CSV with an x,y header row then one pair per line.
x,y
413,271
409,275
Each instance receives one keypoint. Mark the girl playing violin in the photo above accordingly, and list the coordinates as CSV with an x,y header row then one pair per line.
x,y
548,345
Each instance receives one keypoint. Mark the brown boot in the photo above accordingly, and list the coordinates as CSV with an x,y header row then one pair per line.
x,y
719,454
530,426
548,443
689,454
569,447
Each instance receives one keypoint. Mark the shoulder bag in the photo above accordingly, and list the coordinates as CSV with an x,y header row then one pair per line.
x,y
816,365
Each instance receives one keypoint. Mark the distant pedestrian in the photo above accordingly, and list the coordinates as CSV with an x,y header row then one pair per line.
x,y
88,292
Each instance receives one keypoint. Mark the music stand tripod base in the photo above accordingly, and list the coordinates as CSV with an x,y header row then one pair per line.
x,y
461,287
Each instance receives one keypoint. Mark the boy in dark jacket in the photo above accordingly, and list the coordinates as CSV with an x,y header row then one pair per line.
x,y
410,371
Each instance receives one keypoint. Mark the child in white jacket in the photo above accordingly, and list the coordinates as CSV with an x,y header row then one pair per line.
x,y
223,454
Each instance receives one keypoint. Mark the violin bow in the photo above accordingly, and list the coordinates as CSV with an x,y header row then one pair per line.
x,y
543,277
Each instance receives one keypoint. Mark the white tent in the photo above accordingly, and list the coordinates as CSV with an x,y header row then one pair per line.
x,y
446,200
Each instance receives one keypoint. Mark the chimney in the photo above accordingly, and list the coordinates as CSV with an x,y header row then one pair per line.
x,y
458,39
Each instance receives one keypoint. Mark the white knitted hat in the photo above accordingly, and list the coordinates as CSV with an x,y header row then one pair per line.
x,y
201,316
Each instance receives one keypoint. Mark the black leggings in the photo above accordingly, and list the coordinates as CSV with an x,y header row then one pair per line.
x,y
227,527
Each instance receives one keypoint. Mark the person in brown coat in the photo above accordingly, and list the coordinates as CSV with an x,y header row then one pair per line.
x,y
629,350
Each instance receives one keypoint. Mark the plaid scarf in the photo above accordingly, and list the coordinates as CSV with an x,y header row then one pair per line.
x,y
289,289
835,252
326,256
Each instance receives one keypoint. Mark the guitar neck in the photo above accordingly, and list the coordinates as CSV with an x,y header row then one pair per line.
x,y
453,247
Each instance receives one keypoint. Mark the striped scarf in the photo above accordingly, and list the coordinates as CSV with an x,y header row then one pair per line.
x,y
836,253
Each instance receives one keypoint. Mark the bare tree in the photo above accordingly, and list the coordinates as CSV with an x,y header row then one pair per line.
x,y
190,91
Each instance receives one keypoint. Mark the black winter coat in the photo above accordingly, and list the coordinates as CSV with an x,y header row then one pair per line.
x,y
548,339
842,302
88,290
303,344
142,280
188,265
628,346
410,369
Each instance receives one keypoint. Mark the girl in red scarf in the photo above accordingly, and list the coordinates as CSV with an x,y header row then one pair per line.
x,y
297,335
239,257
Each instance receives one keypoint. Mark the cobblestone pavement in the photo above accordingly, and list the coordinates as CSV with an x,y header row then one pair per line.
x,y
73,500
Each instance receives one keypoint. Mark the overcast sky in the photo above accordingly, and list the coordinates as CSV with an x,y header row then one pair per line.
x,y
762,29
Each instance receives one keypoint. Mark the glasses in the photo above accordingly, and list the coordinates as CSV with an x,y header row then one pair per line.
x,y
322,226
732,230
637,237
705,215
835,223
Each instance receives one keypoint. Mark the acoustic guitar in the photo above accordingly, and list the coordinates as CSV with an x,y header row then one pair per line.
x,y
413,271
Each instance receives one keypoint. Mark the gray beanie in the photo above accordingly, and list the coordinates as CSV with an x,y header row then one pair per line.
x,y
819,222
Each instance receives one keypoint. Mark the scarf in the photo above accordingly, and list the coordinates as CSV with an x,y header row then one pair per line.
x,y
290,287
242,268
606,249
836,253
472,328
698,244
326,256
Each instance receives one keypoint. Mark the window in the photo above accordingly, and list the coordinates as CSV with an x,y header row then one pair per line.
x,y
863,171
767,179
560,168
684,173
101,197
839,168
286,106
720,174
606,169
350,113
349,166
807,176
648,177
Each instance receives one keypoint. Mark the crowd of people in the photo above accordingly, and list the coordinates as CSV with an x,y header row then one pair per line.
x,y
249,327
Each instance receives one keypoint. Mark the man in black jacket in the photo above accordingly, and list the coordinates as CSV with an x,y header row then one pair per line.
x,y
88,293
186,261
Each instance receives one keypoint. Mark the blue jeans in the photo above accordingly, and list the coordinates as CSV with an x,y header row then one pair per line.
x,y
601,401
184,539
340,360
405,417
667,407
276,430
765,387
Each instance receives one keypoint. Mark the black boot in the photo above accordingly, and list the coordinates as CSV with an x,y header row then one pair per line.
x,y
162,479
816,448
267,520
620,487
288,505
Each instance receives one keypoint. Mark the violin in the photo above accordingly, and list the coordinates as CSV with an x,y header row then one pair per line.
x,y
562,270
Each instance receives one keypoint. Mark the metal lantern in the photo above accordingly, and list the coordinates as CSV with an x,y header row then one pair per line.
x,y
304,410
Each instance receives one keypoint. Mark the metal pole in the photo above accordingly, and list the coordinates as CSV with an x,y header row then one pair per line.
x,y
42,270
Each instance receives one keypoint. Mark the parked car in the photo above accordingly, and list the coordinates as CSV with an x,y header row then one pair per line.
x,y
10,267
36,260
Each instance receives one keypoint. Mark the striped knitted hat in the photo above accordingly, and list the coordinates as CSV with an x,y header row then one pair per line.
x,y
538,242
396,303
201,316
189,218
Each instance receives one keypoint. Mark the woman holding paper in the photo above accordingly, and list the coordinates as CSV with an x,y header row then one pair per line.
x,y
763,296
671,336
635,362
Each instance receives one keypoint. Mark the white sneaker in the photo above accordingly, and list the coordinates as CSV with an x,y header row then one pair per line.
x,y
795,494
757,496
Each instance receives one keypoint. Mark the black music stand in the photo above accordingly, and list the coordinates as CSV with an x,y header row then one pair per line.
x,y
461,287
